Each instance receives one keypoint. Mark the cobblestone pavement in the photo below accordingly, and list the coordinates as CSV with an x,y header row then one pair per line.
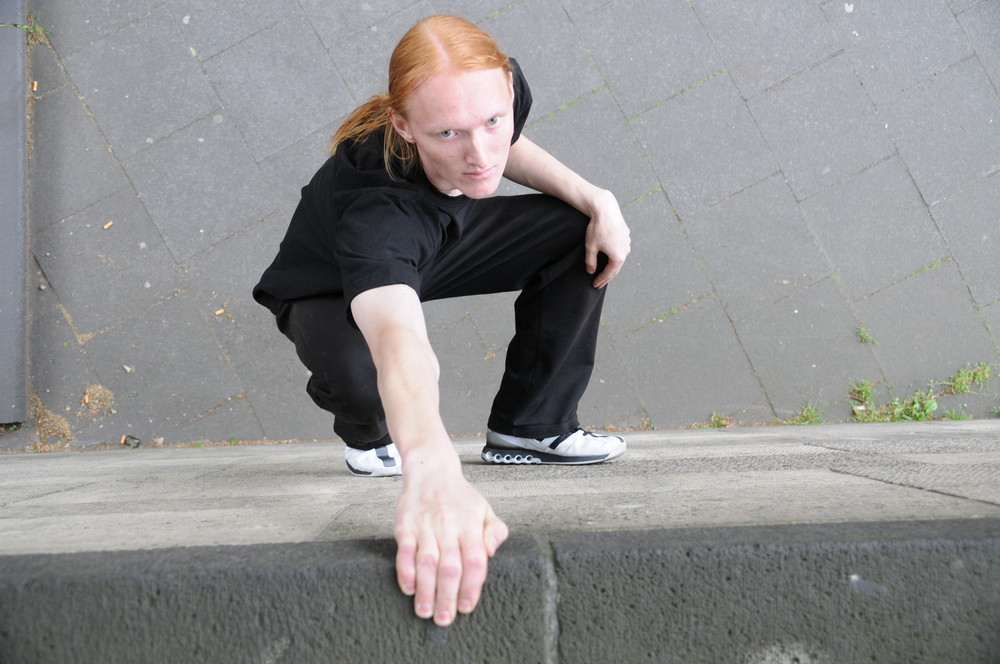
x,y
812,189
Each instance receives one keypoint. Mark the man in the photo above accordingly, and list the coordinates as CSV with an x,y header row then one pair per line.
x,y
400,215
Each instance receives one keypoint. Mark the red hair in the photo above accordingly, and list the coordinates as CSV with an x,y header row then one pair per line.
x,y
435,44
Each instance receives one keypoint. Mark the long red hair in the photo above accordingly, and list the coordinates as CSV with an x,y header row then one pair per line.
x,y
435,44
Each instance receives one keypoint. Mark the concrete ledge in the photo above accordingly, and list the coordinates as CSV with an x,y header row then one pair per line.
x,y
887,592
13,247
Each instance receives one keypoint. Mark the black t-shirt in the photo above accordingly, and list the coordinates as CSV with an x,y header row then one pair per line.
x,y
356,229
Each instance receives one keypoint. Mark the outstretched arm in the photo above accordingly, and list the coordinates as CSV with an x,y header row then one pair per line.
x,y
607,233
445,530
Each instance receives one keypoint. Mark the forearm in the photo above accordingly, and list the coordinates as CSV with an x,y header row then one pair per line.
x,y
391,319
408,386
532,166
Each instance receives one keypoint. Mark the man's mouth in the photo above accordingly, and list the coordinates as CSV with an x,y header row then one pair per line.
x,y
480,175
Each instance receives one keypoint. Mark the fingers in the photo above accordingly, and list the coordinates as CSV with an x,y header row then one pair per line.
x,y
450,573
406,571
474,557
609,272
591,258
495,533
447,577
426,596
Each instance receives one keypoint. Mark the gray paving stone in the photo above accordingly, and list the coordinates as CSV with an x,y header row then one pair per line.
x,y
470,335
211,26
979,403
61,376
492,316
69,163
821,126
762,44
756,248
874,228
60,370
439,315
648,52
224,275
703,145
959,6
272,377
212,190
946,129
363,59
558,68
579,8
471,378
806,351
609,158
689,366
45,70
991,319
981,24
291,168
177,369
337,21
926,328
313,93
132,108
89,265
660,275
611,400
231,420
896,43
275,383
970,222
74,25
476,11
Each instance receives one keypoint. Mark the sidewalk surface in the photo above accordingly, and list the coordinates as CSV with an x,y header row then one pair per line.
x,y
790,171
237,495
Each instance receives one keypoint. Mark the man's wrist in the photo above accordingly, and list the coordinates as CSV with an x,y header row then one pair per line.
x,y
434,457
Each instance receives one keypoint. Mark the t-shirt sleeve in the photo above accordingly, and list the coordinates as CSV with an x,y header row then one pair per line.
x,y
381,242
522,100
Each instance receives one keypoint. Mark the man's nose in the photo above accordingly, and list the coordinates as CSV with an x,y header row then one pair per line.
x,y
476,152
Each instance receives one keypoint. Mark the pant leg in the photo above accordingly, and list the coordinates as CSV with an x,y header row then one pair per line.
x,y
534,244
343,379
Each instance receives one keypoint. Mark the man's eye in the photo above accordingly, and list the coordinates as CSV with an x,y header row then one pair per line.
x,y
494,121
447,133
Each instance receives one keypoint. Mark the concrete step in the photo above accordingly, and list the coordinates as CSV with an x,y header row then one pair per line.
x,y
874,592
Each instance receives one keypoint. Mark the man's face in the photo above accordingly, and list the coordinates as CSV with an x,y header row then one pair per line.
x,y
462,123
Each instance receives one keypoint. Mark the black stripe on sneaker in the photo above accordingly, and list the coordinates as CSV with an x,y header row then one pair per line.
x,y
559,439
383,454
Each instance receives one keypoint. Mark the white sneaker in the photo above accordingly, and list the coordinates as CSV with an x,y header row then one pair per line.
x,y
576,447
380,462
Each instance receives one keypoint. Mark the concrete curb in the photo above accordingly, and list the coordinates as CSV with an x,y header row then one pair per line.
x,y
13,229
892,592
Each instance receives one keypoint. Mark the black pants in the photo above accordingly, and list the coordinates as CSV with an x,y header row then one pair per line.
x,y
532,243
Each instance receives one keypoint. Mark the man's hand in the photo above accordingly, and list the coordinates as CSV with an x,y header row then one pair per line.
x,y
607,233
445,532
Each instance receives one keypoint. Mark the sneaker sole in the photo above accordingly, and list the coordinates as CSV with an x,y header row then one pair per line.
x,y
505,455
394,472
